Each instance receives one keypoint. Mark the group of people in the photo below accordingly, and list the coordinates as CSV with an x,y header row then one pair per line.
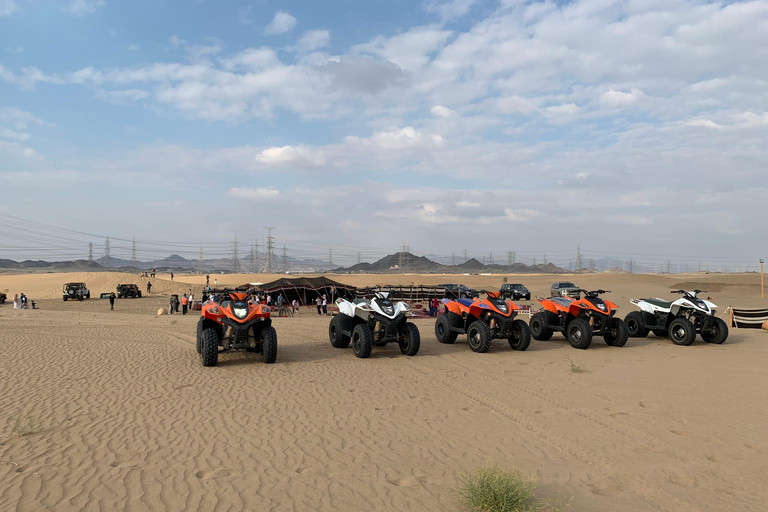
x,y
23,302
186,302
322,302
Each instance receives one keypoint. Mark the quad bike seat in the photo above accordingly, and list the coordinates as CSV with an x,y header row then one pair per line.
x,y
361,301
465,302
659,303
562,301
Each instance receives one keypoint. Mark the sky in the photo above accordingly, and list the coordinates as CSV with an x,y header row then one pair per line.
x,y
627,127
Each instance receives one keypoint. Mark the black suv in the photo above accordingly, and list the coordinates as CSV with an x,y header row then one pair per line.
x,y
515,291
459,291
128,290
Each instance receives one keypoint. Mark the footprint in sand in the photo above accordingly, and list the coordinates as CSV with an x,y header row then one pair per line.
x,y
647,405
124,464
407,481
683,433
753,447
618,414
466,408
217,473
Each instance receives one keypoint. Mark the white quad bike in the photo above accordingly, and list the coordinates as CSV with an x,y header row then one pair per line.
x,y
680,320
373,322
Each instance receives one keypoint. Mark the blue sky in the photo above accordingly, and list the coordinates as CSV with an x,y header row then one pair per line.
x,y
629,127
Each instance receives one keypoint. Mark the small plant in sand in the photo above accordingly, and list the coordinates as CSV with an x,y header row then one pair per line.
x,y
25,426
576,367
495,490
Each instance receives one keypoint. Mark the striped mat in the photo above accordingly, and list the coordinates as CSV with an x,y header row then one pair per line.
x,y
748,318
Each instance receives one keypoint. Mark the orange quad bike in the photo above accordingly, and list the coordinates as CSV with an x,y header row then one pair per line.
x,y
235,322
579,320
482,321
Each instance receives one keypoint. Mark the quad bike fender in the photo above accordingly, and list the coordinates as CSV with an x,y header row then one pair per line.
x,y
548,305
345,307
610,305
454,307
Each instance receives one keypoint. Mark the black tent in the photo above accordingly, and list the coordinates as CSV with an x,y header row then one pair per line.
x,y
306,289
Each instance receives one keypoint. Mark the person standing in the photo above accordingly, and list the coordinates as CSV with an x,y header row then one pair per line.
x,y
325,305
171,305
269,299
435,307
16,301
176,303
319,302
280,305
171,276
112,301
207,279
295,305
149,287
215,283
184,303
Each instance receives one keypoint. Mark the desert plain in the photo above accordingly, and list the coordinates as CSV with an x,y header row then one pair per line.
x,y
122,416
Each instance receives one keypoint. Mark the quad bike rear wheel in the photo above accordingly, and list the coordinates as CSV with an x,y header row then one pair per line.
x,y
209,351
717,334
539,329
617,333
682,332
443,331
479,337
635,325
338,340
410,340
521,336
362,341
579,334
268,345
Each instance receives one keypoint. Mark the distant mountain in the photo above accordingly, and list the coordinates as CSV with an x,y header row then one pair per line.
x,y
59,265
406,262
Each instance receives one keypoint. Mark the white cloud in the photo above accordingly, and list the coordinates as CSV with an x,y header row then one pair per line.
x,y
313,40
15,49
564,109
133,47
449,9
441,111
254,193
621,99
299,156
175,41
398,138
281,23
7,7
82,7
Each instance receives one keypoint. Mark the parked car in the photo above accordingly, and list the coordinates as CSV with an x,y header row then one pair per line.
x,y
565,289
128,290
76,291
515,291
459,291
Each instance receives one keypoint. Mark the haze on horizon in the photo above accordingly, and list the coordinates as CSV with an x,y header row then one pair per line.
x,y
626,127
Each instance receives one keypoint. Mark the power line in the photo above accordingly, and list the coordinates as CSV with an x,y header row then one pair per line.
x,y
106,260
268,256
235,256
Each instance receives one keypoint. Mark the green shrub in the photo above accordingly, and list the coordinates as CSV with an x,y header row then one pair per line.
x,y
495,490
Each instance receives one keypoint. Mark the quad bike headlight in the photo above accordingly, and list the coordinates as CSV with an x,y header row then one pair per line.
x,y
240,312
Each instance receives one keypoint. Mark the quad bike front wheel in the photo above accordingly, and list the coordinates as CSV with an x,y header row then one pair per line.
x,y
268,345
616,334
199,339
579,334
635,325
717,334
443,331
362,341
521,336
338,340
209,350
410,340
682,332
539,329
479,337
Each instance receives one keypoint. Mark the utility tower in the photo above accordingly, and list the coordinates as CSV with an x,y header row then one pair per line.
x,y
453,257
359,258
465,255
268,255
133,252
490,258
669,267
255,257
235,256
579,264
200,261
106,260
90,251
544,261
509,257
330,256
285,260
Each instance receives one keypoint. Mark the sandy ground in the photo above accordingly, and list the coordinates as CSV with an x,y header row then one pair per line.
x,y
129,420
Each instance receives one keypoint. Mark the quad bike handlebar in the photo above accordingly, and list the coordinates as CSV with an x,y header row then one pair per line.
x,y
685,292
593,293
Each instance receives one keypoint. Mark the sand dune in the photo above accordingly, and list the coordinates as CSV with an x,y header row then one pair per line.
x,y
129,420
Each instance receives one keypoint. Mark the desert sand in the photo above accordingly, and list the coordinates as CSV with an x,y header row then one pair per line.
x,y
126,418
